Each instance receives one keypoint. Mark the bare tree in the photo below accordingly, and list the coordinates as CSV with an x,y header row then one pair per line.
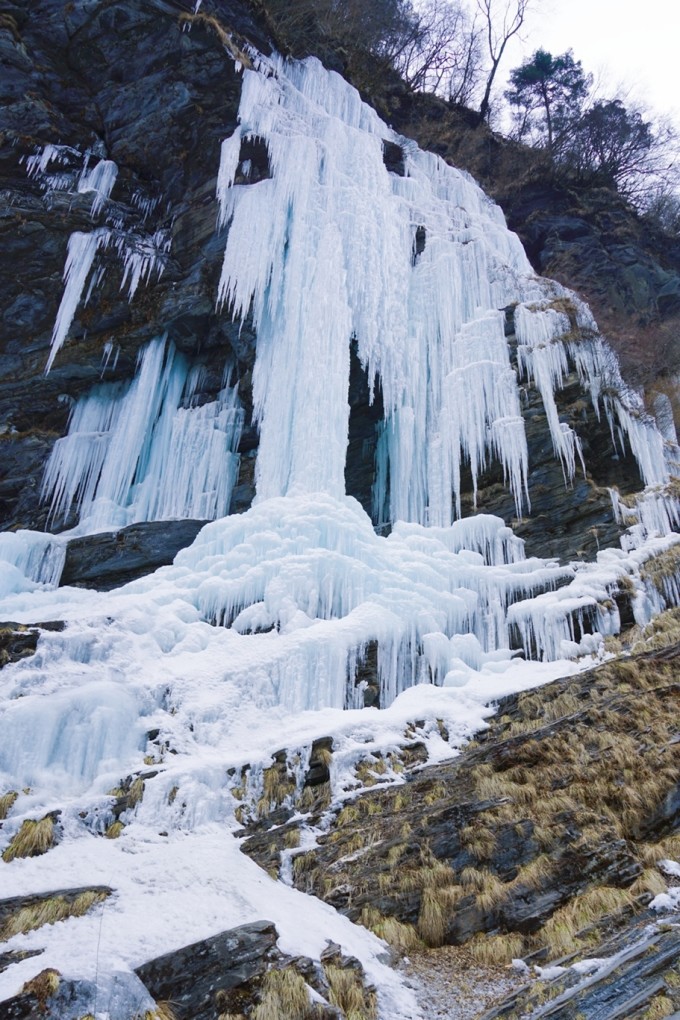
x,y
444,52
502,19
624,148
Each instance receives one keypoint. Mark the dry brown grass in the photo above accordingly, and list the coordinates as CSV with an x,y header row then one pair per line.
x,y
401,936
32,839
49,911
478,840
561,931
496,950
7,803
136,792
651,853
164,1011
432,918
43,986
650,881
283,996
660,1006
226,37
347,992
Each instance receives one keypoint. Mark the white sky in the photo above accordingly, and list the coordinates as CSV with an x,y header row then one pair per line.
x,y
631,43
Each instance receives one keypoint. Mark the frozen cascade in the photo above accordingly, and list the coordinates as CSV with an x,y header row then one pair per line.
x,y
29,558
100,179
542,355
255,637
546,350
142,452
300,586
324,249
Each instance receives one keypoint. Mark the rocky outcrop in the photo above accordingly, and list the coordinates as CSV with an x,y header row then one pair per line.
x,y
20,914
239,972
532,836
108,560
633,973
202,980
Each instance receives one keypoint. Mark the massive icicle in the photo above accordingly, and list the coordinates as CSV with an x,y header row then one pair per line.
x,y
82,249
333,245
325,251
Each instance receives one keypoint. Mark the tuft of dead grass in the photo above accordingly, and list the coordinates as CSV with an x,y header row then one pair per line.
x,y
401,936
7,803
43,986
32,839
50,911
496,950
560,932
283,996
347,992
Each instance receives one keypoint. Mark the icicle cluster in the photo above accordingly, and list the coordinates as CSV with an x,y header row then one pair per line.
x,y
142,452
416,267
143,255
326,249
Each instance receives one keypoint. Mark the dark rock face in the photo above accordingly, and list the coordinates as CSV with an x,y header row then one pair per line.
x,y
198,978
108,560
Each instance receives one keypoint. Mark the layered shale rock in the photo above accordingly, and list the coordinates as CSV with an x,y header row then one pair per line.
x,y
524,842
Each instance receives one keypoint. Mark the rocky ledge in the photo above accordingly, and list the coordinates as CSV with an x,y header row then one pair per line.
x,y
540,843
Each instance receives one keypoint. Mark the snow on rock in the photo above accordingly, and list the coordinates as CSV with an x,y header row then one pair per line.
x,y
667,901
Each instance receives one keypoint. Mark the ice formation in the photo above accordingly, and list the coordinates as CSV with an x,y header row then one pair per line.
x,y
143,255
256,636
82,249
142,452
100,180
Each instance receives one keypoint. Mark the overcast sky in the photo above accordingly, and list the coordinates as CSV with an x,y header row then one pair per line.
x,y
634,43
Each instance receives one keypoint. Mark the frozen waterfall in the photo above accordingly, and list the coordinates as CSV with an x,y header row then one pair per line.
x,y
297,619
278,609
